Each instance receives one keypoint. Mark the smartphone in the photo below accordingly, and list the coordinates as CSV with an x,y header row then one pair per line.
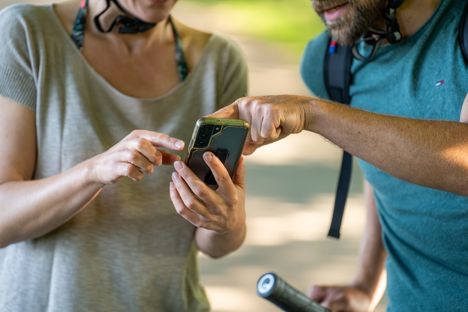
x,y
223,137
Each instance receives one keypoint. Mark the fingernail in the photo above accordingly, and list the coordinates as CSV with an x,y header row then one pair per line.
x,y
157,158
178,165
179,144
208,155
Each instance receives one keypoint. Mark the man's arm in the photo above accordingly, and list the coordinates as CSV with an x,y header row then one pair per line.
x,y
370,271
425,152
367,286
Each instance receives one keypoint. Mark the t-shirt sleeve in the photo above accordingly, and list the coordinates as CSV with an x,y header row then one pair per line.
x,y
235,76
312,65
16,72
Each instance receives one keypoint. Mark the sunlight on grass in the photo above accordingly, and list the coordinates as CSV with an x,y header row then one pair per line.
x,y
291,22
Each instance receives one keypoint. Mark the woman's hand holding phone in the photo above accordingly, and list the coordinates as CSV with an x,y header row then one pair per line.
x,y
219,210
218,214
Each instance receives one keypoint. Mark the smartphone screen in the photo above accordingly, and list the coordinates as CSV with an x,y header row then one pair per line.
x,y
223,137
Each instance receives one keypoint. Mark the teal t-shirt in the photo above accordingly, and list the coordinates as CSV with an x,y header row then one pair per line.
x,y
425,231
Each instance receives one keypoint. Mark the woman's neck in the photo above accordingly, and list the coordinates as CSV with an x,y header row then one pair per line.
x,y
161,33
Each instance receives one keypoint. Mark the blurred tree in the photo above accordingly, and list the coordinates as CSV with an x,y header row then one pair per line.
x,y
291,22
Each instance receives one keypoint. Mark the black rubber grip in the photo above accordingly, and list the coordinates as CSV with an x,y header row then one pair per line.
x,y
275,289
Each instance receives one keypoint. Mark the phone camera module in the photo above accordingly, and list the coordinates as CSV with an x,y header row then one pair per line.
x,y
203,136
217,129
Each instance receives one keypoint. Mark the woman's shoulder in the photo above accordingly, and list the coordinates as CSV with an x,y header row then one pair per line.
x,y
25,17
224,49
20,12
226,43
198,43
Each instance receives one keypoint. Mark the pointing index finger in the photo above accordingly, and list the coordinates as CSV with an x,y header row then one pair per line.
x,y
163,140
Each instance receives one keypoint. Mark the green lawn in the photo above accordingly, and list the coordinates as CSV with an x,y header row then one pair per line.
x,y
291,22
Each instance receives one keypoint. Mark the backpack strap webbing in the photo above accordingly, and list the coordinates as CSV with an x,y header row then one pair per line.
x,y
337,75
463,33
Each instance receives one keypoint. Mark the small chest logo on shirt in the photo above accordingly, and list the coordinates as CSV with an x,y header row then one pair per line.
x,y
440,83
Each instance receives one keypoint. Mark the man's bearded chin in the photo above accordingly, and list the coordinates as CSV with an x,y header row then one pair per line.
x,y
348,30
357,23
344,35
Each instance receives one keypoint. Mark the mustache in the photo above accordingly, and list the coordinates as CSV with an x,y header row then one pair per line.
x,y
321,6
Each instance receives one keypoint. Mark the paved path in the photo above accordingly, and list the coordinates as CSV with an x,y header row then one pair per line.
x,y
290,191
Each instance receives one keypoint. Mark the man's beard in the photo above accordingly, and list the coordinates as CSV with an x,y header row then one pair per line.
x,y
361,16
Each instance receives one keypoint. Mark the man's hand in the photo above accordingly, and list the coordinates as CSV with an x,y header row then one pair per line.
x,y
271,118
342,298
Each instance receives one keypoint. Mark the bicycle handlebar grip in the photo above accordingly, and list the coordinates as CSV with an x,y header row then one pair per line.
x,y
275,289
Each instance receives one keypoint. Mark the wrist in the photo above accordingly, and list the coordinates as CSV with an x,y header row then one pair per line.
x,y
216,245
362,285
368,283
313,114
236,234
89,176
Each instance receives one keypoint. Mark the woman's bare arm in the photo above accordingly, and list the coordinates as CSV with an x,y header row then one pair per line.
x,y
30,208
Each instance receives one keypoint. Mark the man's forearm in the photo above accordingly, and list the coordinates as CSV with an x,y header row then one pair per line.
x,y
430,153
372,254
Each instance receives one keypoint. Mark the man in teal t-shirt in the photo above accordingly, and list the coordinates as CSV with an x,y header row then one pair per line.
x,y
404,123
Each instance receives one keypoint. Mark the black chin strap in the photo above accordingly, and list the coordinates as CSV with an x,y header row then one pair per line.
x,y
126,24
374,38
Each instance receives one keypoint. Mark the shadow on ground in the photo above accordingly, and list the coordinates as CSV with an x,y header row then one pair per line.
x,y
295,183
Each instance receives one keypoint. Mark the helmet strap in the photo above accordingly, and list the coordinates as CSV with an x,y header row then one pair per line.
x,y
374,38
126,24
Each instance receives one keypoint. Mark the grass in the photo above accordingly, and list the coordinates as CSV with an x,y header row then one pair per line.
x,y
290,22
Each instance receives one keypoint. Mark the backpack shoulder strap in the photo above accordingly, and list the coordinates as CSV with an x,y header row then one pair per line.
x,y
337,77
337,71
463,32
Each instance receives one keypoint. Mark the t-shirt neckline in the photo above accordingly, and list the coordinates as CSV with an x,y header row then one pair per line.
x,y
176,89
